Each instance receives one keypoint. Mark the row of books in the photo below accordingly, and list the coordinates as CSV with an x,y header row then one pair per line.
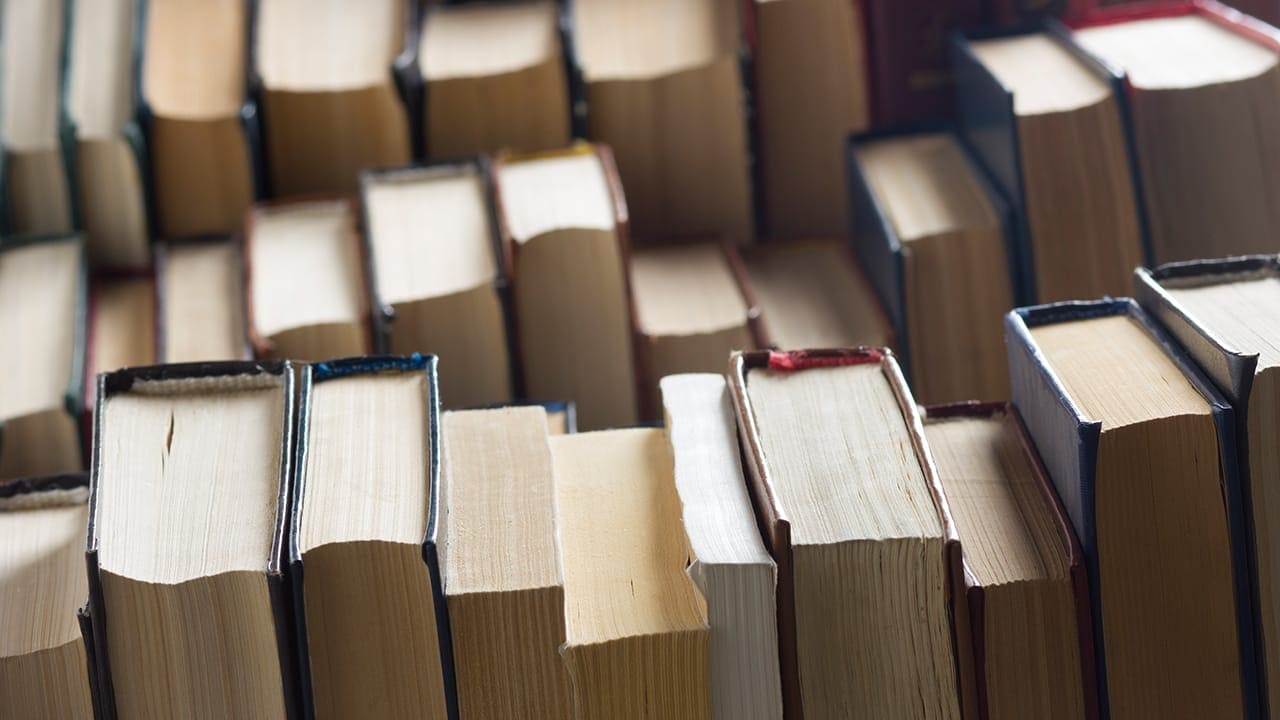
x,y
1099,545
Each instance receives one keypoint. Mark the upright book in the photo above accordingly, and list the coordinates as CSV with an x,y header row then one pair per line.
x,y
848,500
1141,450
1204,95
1224,313
564,225
438,275
1048,123
372,629
123,329
200,303
188,512
44,289
326,76
42,584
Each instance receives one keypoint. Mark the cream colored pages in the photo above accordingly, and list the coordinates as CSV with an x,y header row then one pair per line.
x,y
1177,52
925,185
30,89
37,312
685,290
194,67
556,192
42,576
124,332
1044,76
190,478
1243,312
480,40
328,45
430,233
644,39
203,303
100,99
306,266
368,461
827,435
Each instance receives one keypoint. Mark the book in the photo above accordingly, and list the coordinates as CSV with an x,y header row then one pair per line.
x,y
812,294
321,311
494,78
730,564
325,75
931,234
561,416
439,276
43,294
109,173
692,308
1141,451
188,510
811,90
123,329
42,584
564,225
911,79
848,501
1203,95
637,639
1023,611
1222,312
1078,222
372,631
35,187
1267,11
500,561
202,128
200,285
664,89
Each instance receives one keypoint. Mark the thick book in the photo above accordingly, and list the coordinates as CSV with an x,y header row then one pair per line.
x,y
664,88
438,275
1077,206
1223,313
188,517
110,155
37,192
730,564
43,656
562,416
813,293
123,329
564,227
334,81
44,288
372,626
202,129
1141,449
811,90
305,280
494,77
933,236
1024,626
693,306
500,564
637,639
849,504
1203,90
200,300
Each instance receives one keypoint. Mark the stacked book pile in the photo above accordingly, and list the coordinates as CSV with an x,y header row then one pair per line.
x,y
639,358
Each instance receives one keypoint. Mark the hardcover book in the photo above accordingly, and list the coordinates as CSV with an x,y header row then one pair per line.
x,y
201,126
848,500
1223,312
200,284
42,585
44,290
189,507
1078,221
563,222
328,78
1141,450
372,627
438,275
932,235
123,329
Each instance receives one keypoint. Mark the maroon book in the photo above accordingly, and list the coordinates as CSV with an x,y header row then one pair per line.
x,y
1267,11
